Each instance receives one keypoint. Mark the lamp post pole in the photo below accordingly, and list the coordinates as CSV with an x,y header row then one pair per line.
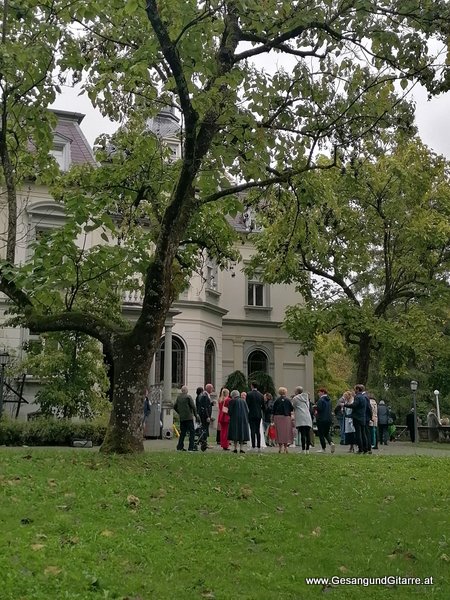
x,y
438,412
414,385
4,359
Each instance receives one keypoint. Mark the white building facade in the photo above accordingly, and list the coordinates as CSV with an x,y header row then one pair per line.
x,y
222,323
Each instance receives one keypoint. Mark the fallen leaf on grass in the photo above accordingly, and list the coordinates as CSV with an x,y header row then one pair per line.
x,y
37,547
27,456
52,570
389,498
316,532
208,594
400,552
51,482
161,493
69,540
245,492
13,481
133,501
445,557
107,533
343,569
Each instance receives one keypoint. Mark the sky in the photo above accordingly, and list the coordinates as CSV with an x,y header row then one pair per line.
x,y
432,116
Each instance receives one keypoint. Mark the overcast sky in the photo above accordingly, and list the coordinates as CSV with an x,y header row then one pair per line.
x,y
433,118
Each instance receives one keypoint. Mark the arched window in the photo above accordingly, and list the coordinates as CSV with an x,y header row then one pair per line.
x,y
257,361
210,362
178,360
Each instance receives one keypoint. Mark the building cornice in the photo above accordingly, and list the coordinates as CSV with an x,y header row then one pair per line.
x,y
253,323
208,306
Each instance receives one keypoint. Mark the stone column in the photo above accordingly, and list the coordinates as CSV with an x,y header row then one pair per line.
x,y
151,373
167,414
238,354
279,365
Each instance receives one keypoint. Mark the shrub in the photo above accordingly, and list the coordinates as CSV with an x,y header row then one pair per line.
x,y
49,432
264,381
236,381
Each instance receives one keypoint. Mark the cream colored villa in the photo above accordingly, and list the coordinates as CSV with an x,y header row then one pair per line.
x,y
222,323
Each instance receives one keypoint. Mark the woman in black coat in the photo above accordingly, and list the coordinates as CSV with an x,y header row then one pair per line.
x,y
238,428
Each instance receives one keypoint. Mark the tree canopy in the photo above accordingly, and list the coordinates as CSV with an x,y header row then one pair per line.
x,y
243,128
369,247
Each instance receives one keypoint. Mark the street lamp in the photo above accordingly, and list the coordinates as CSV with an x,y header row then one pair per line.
x,y
438,412
414,385
4,360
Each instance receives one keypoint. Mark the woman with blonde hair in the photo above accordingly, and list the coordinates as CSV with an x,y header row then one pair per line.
x,y
282,417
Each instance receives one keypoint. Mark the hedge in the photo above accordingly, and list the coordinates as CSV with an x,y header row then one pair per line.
x,y
49,432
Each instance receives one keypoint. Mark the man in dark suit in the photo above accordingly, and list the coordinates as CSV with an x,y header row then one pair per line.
x,y
360,412
255,403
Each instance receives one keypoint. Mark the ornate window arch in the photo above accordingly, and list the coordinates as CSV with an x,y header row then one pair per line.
x,y
257,360
210,362
178,362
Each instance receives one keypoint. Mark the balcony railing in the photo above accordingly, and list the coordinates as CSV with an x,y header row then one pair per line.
x,y
132,298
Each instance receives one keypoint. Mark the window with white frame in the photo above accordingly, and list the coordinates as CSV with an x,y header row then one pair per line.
x,y
257,362
256,294
174,151
178,362
210,362
212,273
43,217
61,151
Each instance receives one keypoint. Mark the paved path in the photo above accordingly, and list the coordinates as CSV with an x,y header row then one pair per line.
x,y
393,449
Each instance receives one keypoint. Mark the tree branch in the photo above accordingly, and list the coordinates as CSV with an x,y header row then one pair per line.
x,y
171,55
98,328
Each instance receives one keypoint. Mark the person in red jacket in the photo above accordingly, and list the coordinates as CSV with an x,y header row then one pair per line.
x,y
224,418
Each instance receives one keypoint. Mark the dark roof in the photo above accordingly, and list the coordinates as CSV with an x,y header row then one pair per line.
x,y
69,127
68,114
237,223
165,124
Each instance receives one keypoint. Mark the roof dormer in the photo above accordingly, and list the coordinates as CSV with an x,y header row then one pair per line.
x,y
61,151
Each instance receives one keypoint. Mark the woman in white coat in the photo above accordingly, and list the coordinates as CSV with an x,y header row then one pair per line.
x,y
303,420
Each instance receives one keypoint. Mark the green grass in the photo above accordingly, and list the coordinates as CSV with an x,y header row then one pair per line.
x,y
78,525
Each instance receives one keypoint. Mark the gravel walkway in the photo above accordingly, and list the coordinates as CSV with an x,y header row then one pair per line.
x,y
393,449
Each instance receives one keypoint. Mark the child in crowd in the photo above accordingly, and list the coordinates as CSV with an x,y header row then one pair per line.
x,y
271,435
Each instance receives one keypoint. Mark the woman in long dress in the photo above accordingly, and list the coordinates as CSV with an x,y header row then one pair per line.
x,y
224,418
282,417
238,428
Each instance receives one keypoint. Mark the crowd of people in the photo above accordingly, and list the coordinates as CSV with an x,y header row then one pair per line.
x,y
251,421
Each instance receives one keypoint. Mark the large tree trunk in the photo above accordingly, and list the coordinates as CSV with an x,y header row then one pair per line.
x,y
132,361
364,349
132,355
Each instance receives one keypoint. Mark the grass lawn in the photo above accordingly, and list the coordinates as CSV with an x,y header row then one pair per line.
x,y
78,525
